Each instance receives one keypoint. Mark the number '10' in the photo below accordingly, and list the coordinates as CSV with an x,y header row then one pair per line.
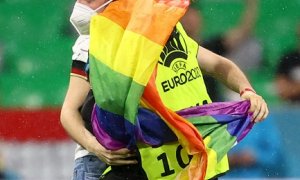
x,y
164,158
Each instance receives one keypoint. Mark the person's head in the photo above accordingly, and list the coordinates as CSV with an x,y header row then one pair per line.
x,y
93,4
192,23
83,11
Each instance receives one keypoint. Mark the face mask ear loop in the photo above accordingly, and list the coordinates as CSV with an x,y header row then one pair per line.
x,y
103,5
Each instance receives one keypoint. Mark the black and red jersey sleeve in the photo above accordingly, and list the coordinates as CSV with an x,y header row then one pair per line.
x,y
79,69
80,57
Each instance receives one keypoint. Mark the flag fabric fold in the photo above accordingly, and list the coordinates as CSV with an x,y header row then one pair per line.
x,y
125,44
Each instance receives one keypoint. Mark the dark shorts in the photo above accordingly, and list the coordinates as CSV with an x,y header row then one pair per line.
x,y
127,172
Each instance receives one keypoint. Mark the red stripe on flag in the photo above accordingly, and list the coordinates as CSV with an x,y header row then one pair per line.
x,y
38,125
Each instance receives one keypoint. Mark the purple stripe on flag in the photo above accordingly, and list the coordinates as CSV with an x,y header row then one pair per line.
x,y
229,113
217,108
105,139
151,129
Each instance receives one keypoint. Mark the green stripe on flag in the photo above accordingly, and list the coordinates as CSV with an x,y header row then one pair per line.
x,y
113,91
221,140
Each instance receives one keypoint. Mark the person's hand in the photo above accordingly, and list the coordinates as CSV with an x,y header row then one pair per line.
x,y
258,106
112,157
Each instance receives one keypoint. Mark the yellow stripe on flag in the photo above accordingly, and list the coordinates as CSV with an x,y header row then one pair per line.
x,y
125,51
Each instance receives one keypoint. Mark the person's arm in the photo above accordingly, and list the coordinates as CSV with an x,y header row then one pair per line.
x,y
71,118
74,125
70,115
227,72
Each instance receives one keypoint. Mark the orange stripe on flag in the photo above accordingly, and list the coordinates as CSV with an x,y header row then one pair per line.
x,y
141,21
187,134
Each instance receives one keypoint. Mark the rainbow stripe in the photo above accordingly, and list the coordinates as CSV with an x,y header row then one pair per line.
x,y
126,41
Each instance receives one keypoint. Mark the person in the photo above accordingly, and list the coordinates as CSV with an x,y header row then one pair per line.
x,y
210,63
287,78
90,156
249,158
237,44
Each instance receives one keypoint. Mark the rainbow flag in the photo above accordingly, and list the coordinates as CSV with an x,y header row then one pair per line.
x,y
125,44
222,125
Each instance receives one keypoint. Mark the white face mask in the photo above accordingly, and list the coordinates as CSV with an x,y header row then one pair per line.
x,y
81,16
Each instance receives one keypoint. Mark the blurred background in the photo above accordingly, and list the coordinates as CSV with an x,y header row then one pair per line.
x,y
35,58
